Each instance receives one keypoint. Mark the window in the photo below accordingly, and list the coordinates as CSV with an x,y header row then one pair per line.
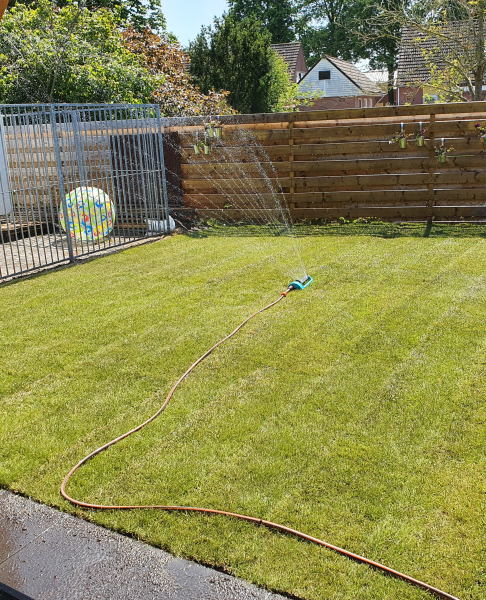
x,y
324,75
359,103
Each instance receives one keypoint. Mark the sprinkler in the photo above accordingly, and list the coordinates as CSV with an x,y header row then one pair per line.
x,y
301,284
298,284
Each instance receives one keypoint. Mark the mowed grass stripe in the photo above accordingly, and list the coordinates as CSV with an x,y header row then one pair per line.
x,y
352,411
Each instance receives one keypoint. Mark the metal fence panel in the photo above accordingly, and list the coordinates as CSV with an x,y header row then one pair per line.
x,y
76,180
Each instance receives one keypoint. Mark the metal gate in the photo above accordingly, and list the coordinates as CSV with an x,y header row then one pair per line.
x,y
77,180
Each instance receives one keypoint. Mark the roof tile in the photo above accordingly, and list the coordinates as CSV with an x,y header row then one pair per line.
x,y
290,53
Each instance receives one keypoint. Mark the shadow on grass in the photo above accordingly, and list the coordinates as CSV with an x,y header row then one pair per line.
x,y
377,229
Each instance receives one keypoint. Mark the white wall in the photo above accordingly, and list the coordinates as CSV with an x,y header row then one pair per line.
x,y
338,85
5,198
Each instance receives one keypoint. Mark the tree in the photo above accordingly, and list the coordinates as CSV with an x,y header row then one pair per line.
x,y
380,48
177,95
139,14
68,55
350,30
277,16
323,28
236,56
449,34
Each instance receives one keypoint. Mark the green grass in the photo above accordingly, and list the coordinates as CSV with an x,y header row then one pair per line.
x,y
353,411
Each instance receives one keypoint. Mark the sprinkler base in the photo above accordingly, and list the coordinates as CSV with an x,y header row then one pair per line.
x,y
300,284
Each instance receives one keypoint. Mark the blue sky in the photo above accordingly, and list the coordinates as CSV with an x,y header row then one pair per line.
x,y
185,17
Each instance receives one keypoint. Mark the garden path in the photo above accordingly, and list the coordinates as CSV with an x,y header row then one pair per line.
x,y
45,553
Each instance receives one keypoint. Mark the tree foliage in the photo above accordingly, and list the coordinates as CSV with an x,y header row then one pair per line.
x,y
350,30
139,14
323,28
68,55
449,34
347,29
236,56
177,95
277,16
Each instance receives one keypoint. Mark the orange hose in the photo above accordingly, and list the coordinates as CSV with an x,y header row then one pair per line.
x,y
211,511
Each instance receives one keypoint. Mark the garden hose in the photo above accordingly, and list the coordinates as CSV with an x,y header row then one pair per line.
x,y
211,511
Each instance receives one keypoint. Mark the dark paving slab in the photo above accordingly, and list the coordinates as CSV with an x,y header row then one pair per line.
x,y
47,554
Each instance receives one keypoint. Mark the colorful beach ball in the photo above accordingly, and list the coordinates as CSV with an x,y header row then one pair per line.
x,y
91,214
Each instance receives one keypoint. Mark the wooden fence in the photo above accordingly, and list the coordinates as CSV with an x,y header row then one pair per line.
x,y
339,163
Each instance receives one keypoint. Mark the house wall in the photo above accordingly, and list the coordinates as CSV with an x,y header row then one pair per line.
x,y
405,95
469,97
409,95
338,85
338,102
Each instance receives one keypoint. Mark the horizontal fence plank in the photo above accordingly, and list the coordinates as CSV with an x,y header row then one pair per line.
x,y
361,182
386,165
371,149
396,214
380,132
406,119
376,149
237,185
329,199
188,140
356,198
381,213
380,180
224,169
238,198
394,197
241,215
394,111
344,133
325,115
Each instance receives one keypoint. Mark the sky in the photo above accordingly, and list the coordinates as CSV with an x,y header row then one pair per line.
x,y
185,17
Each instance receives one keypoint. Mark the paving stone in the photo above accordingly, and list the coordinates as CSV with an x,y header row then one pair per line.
x,y
49,555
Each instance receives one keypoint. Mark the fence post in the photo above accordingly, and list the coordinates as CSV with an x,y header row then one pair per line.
x,y
162,165
292,117
430,202
60,179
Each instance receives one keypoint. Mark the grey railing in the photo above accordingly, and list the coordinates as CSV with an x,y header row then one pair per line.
x,y
76,180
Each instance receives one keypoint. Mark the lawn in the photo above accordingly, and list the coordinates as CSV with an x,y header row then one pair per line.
x,y
353,411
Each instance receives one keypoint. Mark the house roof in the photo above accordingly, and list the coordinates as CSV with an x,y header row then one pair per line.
x,y
359,79
290,53
412,66
411,61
